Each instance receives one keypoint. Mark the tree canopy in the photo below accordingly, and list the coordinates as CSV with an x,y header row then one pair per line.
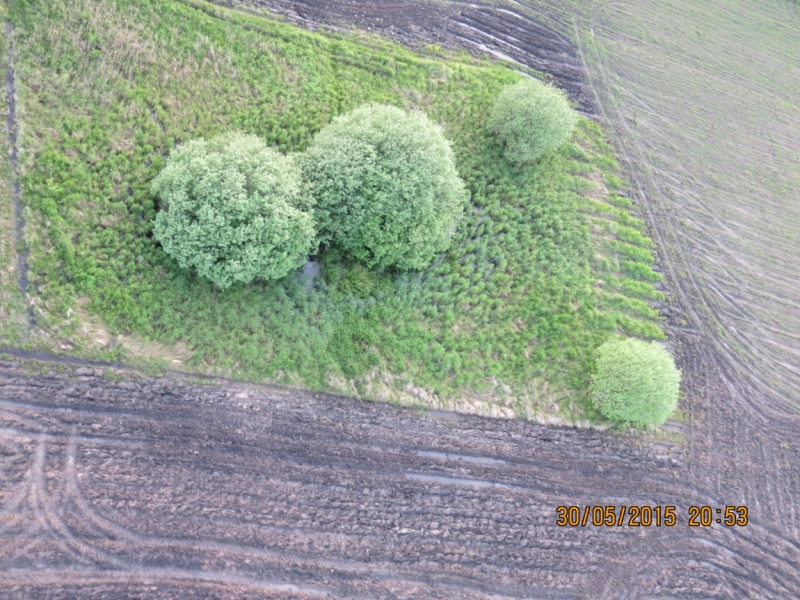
x,y
635,381
385,186
232,210
531,118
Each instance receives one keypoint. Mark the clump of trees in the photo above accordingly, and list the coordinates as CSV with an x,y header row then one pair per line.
x,y
385,187
635,382
379,183
531,118
232,210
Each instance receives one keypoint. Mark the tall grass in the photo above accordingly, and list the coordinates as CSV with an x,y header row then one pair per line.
x,y
112,86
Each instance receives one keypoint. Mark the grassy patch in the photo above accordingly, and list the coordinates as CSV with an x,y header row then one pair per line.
x,y
13,320
508,317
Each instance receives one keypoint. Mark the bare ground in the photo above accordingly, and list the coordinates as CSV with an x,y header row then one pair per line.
x,y
163,488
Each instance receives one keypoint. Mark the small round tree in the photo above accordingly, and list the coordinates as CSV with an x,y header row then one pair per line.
x,y
531,118
635,381
231,209
385,186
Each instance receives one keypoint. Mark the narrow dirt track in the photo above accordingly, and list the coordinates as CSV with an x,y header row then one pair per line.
x,y
157,488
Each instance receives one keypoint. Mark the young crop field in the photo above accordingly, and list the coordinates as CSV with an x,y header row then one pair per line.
x,y
547,263
704,98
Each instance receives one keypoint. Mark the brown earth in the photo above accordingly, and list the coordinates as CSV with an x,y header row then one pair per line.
x,y
157,488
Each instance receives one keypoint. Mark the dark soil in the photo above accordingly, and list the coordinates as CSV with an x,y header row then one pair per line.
x,y
158,488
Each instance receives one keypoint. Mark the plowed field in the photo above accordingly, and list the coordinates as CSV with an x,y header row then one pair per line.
x,y
703,99
157,488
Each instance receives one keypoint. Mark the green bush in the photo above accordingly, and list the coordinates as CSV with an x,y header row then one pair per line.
x,y
232,210
635,381
531,118
385,186
640,271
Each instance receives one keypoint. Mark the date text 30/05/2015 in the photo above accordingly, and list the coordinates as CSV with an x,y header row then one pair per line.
x,y
646,516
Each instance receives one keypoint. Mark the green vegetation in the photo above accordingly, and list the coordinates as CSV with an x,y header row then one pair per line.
x,y
12,311
531,118
231,209
635,382
508,317
385,186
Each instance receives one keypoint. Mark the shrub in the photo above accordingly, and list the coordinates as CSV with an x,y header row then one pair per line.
x,y
635,381
232,210
531,118
385,186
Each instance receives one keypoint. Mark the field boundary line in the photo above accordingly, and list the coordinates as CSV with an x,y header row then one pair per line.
x,y
12,131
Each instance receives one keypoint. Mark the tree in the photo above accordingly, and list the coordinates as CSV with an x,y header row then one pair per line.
x,y
232,208
385,186
635,381
531,118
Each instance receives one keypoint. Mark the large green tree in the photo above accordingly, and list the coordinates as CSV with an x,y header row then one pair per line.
x,y
232,208
531,118
635,381
385,186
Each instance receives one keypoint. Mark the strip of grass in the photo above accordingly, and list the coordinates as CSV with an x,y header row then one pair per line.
x,y
13,320
112,86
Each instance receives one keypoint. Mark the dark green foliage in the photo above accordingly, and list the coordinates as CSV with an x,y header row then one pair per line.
x,y
635,381
531,118
231,210
385,186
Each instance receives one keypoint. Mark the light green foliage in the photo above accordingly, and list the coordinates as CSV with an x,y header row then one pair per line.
x,y
385,185
635,381
515,299
531,118
230,210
